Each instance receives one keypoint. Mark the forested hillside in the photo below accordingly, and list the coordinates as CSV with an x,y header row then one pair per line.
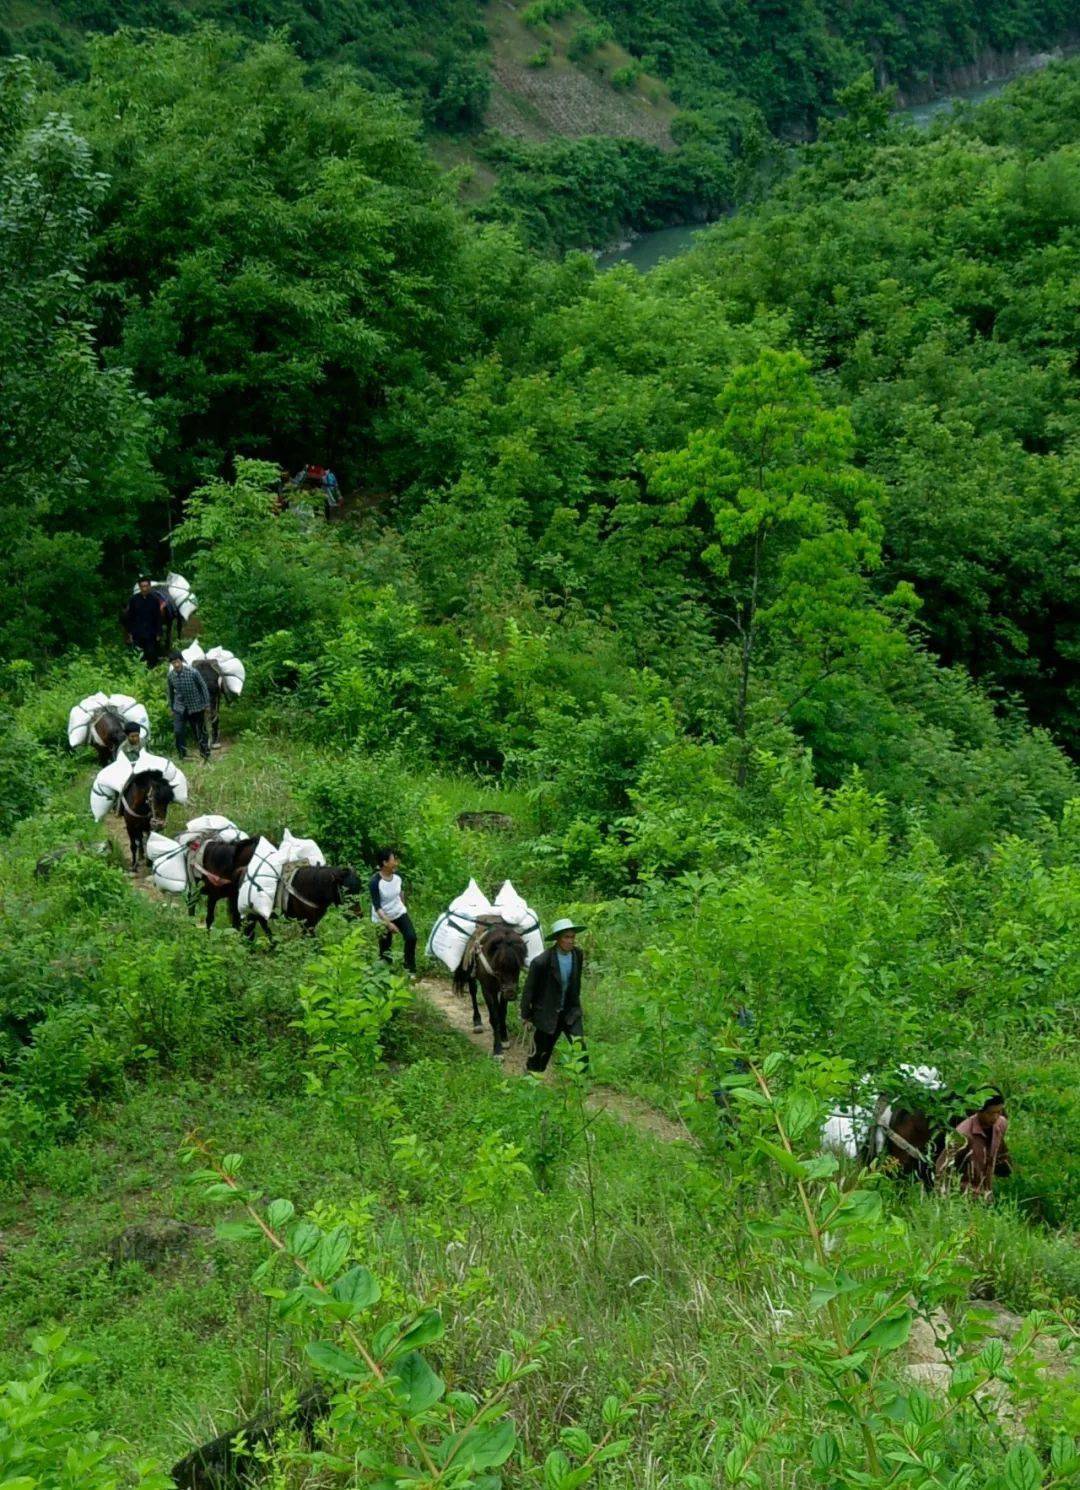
x,y
729,611
576,122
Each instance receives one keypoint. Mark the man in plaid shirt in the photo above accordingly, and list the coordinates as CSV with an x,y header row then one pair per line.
x,y
189,699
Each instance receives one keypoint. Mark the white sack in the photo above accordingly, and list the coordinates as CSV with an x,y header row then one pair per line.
x,y
169,770
472,902
211,825
515,912
168,861
259,887
108,784
131,711
183,594
230,669
80,717
192,653
447,940
300,851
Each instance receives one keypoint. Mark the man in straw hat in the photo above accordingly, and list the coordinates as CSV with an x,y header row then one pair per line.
x,y
552,997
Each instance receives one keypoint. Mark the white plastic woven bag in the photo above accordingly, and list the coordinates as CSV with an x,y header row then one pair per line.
x,y
183,594
300,850
259,887
514,910
80,717
211,825
450,934
192,653
230,669
169,770
168,863
108,784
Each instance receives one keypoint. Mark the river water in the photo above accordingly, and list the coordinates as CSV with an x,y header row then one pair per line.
x,y
650,249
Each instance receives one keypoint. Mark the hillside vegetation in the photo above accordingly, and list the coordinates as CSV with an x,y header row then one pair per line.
x,y
743,592
673,110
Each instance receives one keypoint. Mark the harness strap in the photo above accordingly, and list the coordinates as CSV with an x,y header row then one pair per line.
x,y
902,1143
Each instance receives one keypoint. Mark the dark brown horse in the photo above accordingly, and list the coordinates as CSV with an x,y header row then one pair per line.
x,y
220,868
106,734
308,893
212,678
144,804
494,958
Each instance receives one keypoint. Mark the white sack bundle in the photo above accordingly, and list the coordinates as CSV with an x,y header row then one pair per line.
x,y
301,851
183,595
230,670
169,770
211,825
259,887
513,909
168,862
192,653
447,941
472,902
108,784
131,712
80,717
449,936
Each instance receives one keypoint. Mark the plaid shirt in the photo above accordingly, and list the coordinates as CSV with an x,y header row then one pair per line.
x,y
187,691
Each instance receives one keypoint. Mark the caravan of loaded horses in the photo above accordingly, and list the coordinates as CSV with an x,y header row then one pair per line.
x,y
485,944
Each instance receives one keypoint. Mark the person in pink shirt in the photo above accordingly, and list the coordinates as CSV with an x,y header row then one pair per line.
x,y
976,1150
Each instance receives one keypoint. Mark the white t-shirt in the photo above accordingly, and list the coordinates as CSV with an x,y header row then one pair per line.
x,y
389,893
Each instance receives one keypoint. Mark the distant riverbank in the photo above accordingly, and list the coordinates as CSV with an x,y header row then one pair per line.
x,y
644,251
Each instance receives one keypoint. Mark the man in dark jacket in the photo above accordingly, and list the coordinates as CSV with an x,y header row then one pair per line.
x,y
143,619
552,997
189,699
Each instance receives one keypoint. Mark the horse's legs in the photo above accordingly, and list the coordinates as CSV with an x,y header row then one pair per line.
x,y
211,908
477,1022
492,1001
503,1006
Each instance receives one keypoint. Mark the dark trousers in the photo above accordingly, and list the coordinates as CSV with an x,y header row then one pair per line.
x,y
570,1025
197,720
408,935
150,647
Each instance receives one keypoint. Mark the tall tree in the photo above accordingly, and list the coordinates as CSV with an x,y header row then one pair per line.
x,y
789,530
74,467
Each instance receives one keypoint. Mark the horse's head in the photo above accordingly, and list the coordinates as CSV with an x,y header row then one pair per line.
x,y
505,950
158,797
349,888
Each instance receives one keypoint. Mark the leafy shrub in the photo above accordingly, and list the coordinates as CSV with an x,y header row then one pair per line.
x,y
1044,1105
23,774
588,39
47,1438
547,10
625,77
361,801
541,58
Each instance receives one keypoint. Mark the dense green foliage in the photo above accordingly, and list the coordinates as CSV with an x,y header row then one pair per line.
x,y
789,59
928,280
736,591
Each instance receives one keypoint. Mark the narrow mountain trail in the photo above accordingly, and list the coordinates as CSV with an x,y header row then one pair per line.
x,y
439,995
457,1012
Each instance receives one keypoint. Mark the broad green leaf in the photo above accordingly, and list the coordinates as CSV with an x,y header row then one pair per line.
x,y
419,1387
279,1213
890,1334
787,1162
1022,1470
330,1253
327,1356
236,1231
426,1328
358,1288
